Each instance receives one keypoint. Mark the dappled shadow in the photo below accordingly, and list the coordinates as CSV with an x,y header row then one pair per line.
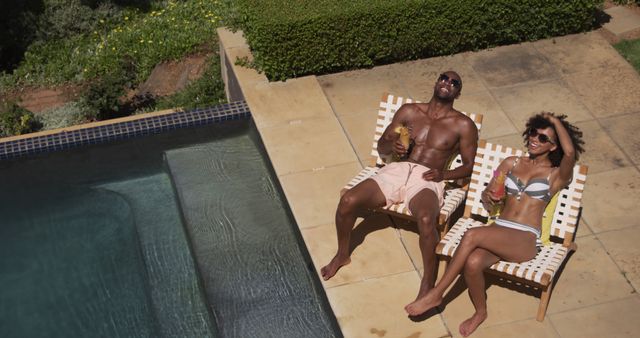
x,y
601,18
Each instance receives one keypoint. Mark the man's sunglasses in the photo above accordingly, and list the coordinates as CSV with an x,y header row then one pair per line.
x,y
541,137
454,82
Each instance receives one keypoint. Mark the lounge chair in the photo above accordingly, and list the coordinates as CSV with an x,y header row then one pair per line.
x,y
455,190
539,272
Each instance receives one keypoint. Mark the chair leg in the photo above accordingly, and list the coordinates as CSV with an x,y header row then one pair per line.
x,y
544,302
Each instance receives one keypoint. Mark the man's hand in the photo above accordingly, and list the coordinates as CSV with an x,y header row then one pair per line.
x,y
435,175
399,148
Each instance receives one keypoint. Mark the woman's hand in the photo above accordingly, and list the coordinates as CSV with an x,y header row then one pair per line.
x,y
488,197
550,117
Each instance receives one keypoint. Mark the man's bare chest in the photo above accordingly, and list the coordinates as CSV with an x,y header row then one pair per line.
x,y
433,133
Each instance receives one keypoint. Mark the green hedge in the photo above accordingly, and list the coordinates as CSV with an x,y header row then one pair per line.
x,y
295,38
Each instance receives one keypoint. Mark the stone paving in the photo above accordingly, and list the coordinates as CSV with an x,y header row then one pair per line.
x,y
318,133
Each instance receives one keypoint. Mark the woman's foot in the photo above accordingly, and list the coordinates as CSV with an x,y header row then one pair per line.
x,y
330,269
468,326
422,304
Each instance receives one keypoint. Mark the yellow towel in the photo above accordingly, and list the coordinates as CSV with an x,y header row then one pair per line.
x,y
547,217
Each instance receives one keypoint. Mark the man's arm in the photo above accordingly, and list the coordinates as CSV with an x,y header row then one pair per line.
x,y
468,147
389,141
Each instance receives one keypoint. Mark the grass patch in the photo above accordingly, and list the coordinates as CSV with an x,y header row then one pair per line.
x,y
630,50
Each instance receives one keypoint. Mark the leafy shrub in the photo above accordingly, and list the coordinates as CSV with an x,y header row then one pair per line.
x,y
169,31
18,20
102,100
290,39
61,117
15,120
65,18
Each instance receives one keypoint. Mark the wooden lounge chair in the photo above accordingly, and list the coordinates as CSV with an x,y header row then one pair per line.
x,y
541,271
454,192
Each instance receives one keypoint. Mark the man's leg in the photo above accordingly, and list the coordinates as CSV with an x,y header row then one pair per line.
x,y
425,207
479,260
366,195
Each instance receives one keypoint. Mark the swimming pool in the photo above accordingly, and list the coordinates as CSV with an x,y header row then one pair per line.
x,y
183,233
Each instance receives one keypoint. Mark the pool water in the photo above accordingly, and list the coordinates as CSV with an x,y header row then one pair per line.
x,y
178,234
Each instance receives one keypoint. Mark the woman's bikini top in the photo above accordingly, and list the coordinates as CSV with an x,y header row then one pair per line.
x,y
537,188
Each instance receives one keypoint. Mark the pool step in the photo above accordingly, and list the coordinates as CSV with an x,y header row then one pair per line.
x,y
176,297
256,277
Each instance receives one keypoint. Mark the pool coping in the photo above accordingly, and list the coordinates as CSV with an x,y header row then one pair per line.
x,y
118,129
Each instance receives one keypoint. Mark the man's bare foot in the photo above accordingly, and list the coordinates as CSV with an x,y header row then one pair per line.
x,y
330,269
468,326
422,304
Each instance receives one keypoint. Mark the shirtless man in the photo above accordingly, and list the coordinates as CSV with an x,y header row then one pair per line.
x,y
438,131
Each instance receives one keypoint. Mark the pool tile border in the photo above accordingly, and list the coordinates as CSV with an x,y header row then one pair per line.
x,y
146,124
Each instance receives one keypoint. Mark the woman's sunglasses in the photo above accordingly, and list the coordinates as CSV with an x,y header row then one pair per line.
x,y
454,82
542,138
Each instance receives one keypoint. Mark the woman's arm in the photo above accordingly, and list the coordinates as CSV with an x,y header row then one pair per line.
x,y
565,170
488,196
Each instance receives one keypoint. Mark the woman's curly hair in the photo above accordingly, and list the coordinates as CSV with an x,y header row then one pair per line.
x,y
538,121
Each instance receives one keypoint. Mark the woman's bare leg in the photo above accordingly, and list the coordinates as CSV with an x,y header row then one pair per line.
x,y
366,195
477,262
509,244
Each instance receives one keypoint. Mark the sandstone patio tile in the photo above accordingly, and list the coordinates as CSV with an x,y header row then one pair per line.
x,y
510,65
280,103
580,52
231,39
622,20
583,228
525,328
613,319
360,91
611,198
602,153
622,246
624,131
523,101
378,251
247,76
307,145
607,92
504,305
495,122
408,232
360,129
313,195
590,277
420,76
375,308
